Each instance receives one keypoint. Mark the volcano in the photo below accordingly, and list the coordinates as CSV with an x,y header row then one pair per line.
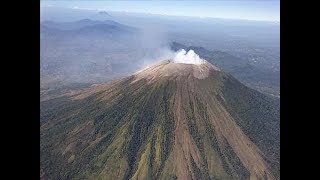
x,y
167,121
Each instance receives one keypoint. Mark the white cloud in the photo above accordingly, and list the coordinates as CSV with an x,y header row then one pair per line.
x,y
187,58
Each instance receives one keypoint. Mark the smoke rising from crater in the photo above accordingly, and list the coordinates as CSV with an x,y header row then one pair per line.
x,y
189,57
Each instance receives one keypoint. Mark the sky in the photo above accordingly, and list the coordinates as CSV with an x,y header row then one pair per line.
x,y
260,10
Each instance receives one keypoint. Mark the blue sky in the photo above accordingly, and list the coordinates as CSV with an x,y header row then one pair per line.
x,y
264,10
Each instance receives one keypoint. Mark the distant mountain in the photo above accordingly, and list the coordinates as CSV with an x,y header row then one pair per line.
x,y
84,51
105,13
167,121
86,23
107,28
85,29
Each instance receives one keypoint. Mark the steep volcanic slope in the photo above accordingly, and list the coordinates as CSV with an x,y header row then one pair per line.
x,y
168,121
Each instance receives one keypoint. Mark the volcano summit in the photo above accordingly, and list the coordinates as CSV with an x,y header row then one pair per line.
x,y
171,120
172,69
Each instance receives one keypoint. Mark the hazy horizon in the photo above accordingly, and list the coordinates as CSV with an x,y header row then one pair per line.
x,y
237,10
117,42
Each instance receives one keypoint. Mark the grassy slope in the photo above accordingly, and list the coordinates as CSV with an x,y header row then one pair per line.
x,y
258,116
131,135
120,132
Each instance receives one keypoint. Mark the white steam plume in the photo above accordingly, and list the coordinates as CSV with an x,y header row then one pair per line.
x,y
187,58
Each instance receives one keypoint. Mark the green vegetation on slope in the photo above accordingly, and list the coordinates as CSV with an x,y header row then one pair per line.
x,y
257,115
120,132
131,134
